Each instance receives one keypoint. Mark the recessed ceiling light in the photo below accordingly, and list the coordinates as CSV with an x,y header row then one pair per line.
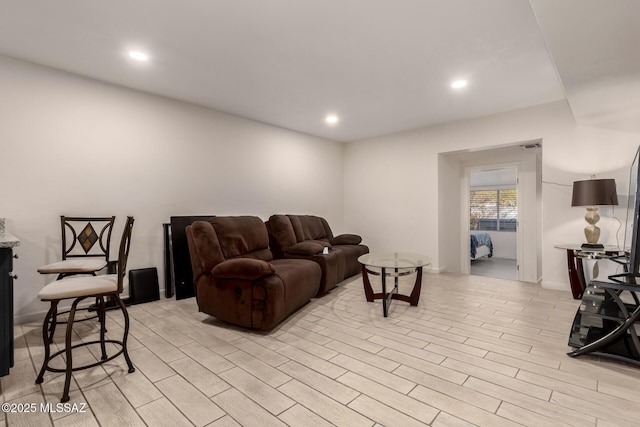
x,y
458,84
331,119
138,56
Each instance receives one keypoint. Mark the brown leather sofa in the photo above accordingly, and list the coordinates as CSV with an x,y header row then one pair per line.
x,y
305,237
236,277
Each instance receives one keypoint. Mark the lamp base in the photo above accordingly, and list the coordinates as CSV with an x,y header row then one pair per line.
x,y
592,246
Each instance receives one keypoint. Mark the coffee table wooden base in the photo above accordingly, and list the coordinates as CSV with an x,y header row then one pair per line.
x,y
387,297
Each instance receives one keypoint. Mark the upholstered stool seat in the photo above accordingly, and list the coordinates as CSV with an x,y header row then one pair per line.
x,y
79,286
74,266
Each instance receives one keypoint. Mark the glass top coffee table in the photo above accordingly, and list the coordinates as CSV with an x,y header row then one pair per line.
x,y
393,264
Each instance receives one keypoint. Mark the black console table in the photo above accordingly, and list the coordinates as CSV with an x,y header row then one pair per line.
x,y
7,243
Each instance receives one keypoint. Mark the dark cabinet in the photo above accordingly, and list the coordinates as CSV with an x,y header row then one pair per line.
x,y
6,310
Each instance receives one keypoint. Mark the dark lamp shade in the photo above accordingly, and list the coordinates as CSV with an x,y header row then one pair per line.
x,y
593,192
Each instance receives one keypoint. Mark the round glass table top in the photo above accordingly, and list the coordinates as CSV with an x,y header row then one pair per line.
x,y
577,247
394,260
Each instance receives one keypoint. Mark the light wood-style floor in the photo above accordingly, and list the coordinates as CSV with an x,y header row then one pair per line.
x,y
476,351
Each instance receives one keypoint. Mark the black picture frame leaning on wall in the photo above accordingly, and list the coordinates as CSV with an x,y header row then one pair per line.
x,y
607,322
180,272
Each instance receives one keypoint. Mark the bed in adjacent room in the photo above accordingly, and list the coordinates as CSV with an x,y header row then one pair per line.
x,y
481,244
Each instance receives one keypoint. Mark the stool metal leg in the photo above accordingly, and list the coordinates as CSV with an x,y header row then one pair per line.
x,y
68,351
49,322
126,333
103,325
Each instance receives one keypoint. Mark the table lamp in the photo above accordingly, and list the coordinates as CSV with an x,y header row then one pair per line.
x,y
591,193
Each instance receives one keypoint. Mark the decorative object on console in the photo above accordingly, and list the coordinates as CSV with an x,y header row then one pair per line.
x,y
591,193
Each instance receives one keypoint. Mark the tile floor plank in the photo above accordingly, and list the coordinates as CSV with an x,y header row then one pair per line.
x,y
261,393
244,410
324,406
189,400
299,416
200,377
421,411
319,382
162,413
111,408
460,409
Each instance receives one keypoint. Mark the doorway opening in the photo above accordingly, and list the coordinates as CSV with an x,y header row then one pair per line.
x,y
454,220
493,221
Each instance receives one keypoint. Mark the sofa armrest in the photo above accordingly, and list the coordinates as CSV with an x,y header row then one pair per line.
x,y
242,268
306,248
346,239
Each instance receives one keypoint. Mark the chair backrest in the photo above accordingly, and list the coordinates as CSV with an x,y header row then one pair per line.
x,y
86,236
287,230
123,252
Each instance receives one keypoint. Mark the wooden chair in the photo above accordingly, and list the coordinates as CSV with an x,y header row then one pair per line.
x,y
78,288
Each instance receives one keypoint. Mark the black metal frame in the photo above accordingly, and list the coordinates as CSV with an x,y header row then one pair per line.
x,y
104,235
387,297
617,338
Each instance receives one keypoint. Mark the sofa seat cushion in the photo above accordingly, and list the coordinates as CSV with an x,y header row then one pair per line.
x,y
301,280
242,268
351,254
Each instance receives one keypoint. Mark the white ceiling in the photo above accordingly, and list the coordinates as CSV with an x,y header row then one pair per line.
x,y
595,45
383,66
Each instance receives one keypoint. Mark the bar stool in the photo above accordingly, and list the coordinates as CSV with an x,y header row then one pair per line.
x,y
85,250
79,288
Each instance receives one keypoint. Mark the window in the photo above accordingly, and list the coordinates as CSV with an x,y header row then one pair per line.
x,y
494,209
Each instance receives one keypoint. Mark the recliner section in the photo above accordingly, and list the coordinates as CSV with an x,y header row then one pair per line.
x,y
306,236
236,278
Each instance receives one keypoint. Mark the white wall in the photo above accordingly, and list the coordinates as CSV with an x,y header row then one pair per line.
x,y
391,181
76,146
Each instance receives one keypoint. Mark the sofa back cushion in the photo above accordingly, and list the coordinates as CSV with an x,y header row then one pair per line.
x,y
310,227
281,234
242,236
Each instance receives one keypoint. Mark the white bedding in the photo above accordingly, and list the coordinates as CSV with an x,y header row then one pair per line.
x,y
481,251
